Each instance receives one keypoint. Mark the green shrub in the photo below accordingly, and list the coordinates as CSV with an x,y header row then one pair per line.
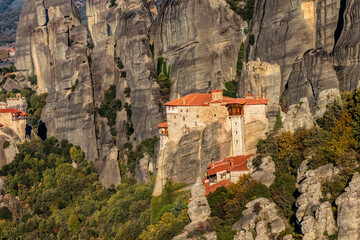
x,y
12,76
258,190
163,78
6,145
225,233
75,85
127,92
113,3
231,89
331,189
239,64
5,214
278,124
252,39
33,79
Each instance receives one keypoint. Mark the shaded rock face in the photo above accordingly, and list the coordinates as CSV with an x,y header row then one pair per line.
x,y
201,41
314,217
142,174
261,216
7,155
348,210
127,25
188,159
265,172
198,208
346,50
199,212
305,72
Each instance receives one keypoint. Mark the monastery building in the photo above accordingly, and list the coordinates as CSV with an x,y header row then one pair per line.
x,y
196,111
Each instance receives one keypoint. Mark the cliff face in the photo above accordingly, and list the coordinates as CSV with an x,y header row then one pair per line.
x,y
306,60
201,41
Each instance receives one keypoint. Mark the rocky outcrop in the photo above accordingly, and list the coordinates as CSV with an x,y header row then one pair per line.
x,y
126,29
199,212
348,210
201,41
260,221
299,116
142,174
7,154
346,51
315,217
188,159
265,172
261,78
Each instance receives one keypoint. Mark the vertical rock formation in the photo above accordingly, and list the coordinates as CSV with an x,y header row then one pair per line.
x,y
286,33
128,25
348,210
260,221
314,217
201,41
188,159
346,50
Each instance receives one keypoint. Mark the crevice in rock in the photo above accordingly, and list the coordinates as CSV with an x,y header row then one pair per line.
x,y
42,130
340,24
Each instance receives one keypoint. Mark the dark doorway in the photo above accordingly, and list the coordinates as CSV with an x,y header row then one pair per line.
x,y
28,131
42,130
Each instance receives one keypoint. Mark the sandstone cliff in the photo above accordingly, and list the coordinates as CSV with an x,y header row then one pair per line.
x,y
201,41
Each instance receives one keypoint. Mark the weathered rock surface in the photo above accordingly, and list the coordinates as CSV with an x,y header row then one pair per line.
x,y
199,212
314,217
142,174
348,210
201,41
188,159
264,173
346,51
128,26
260,217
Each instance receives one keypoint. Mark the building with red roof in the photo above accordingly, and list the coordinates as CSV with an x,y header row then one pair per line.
x,y
225,172
14,119
197,111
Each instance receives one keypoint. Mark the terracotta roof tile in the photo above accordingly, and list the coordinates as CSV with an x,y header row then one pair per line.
x,y
205,99
11,110
163,125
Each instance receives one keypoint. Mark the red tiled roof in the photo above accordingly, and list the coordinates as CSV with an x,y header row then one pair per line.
x,y
163,125
217,90
212,188
11,110
231,164
205,99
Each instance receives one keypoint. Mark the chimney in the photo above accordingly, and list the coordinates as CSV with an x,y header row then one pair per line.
x,y
178,95
184,101
263,95
216,95
212,161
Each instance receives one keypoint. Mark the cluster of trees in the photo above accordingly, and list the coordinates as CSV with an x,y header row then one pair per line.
x,y
227,204
334,140
245,8
60,197
164,80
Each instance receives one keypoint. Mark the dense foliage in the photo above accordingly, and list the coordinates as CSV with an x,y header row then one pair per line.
x,y
245,8
227,204
163,79
58,196
335,140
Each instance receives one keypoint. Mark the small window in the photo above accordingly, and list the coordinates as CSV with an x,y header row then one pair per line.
x,y
197,116
184,118
237,141
195,123
181,110
236,132
174,116
187,110
236,123
214,115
